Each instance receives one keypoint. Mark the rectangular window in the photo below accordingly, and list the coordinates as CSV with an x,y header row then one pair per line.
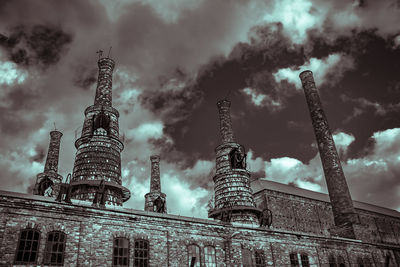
x,y
121,252
28,246
141,253
55,246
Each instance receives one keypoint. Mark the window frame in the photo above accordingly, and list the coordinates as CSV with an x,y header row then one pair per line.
x,y
118,247
212,255
198,262
48,251
19,244
146,259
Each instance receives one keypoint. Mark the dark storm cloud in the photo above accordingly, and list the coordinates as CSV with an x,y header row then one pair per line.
x,y
40,154
36,45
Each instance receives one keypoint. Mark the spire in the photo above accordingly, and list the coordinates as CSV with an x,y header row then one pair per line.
x,y
155,200
104,81
342,204
225,121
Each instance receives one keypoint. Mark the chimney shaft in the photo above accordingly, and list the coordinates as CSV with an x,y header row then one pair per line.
x,y
342,204
225,121
155,185
53,152
104,82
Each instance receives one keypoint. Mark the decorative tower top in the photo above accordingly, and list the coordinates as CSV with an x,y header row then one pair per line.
x,y
97,165
225,121
155,200
233,197
342,204
104,82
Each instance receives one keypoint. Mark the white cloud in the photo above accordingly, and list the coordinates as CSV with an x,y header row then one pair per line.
x,y
261,100
334,65
297,17
146,131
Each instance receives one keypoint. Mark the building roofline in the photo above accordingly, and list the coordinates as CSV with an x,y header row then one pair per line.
x,y
261,185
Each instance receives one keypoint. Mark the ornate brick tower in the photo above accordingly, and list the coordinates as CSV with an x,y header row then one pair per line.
x,y
233,196
342,204
155,200
47,181
98,149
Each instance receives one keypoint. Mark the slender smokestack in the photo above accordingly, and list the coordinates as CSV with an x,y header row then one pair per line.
x,y
342,204
155,200
225,121
155,185
104,82
53,153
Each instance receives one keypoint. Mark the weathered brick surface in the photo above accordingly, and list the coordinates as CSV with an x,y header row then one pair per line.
x,y
301,214
90,234
339,194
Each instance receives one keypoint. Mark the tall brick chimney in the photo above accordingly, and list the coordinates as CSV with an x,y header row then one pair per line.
x,y
234,200
98,156
104,82
155,200
225,121
50,177
342,204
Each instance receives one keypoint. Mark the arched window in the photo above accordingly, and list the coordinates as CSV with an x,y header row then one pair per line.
x,y
55,247
209,254
28,246
121,251
194,255
367,262
141,253
360,262
260,258
304,260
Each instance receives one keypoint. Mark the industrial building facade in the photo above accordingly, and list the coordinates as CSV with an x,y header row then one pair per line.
x,y
81,222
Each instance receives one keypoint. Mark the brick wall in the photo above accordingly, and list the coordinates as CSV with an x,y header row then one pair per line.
x,y
90,234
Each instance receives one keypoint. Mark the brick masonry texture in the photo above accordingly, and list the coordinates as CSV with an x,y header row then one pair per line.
x,y
339,194
90,234
99,148
155,186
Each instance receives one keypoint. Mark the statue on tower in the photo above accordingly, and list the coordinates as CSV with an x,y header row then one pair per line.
x,y
238,158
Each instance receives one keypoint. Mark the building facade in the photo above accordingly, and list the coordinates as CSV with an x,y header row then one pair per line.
x,y
251,224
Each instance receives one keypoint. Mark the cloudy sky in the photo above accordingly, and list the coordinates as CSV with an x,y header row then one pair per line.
x,y
175,59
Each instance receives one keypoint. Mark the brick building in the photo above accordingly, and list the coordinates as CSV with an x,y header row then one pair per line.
x,y
259,223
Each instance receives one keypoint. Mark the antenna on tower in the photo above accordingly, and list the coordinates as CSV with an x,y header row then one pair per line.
x,y
109,52
55,128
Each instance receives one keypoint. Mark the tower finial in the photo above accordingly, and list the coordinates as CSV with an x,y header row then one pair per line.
x,y
55,128
109,52
227,95
99,52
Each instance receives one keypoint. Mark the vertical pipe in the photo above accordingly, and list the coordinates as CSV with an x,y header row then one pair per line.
x,y
342,204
